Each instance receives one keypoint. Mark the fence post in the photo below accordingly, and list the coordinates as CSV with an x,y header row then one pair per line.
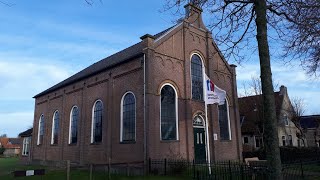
x,y
165,166
198,175
68,169
109,168
230,173
149,166
194,169
127,169
302,174
90,177
241,171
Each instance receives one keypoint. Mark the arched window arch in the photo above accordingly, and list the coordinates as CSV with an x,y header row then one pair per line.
x,y
128,118
73,128
168,113
97,114
40,130
55,127
224,121
198,121
196,77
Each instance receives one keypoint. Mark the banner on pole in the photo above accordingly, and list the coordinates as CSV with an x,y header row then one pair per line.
x,y
214,94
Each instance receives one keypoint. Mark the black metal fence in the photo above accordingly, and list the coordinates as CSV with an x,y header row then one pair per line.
x,y
229,170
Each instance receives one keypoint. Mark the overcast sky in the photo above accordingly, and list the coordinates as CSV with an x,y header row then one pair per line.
x,y
44,42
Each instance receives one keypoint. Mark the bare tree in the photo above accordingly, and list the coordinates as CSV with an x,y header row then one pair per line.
x,y
7,3
301,33
298,110
3,135
239,21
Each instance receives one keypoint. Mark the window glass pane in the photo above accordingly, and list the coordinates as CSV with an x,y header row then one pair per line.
x,y
41,129
224,122
168,113
97,124
55,127
197,78
74,125
129,118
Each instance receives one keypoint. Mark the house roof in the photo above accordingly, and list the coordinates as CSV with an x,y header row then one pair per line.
x,y
10,143
26,133
309,122
106,63
251,107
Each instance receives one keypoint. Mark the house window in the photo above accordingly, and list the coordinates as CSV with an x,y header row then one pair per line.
x,y
40,130
285,120
128,118
290,140
73,129
26,146
55,128
283,140
258,141
245,140
168,113
197,77
224,121
96,132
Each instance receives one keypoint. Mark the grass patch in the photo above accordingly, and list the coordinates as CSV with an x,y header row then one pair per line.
x,y
8,165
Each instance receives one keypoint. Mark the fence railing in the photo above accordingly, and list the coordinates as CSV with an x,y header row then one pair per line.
x,y
231,170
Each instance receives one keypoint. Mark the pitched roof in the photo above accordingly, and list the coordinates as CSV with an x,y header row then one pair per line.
x,y
309,122
115,59
26,133
10,143
106,63
251,108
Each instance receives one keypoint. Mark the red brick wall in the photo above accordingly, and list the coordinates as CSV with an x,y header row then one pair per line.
x,y
167,61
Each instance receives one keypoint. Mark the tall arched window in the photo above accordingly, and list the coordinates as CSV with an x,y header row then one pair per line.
x,y
224,121
128,118
55,127
73,129
196,77
41,130
96,133
169,116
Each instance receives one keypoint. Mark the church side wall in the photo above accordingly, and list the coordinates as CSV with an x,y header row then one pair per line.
x,y
108,86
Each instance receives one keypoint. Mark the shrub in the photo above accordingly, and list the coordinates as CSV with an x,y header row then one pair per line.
x,y
2,150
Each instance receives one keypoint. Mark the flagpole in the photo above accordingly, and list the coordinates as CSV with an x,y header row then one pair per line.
x,y
207,129
207,134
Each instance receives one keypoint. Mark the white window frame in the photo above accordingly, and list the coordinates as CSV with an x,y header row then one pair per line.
x,y
53,126
70,123
121,116
203,71
176,103
92,119
228,117
26,146
40,120
286,120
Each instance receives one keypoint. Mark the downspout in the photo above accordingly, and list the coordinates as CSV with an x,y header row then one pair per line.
x,y
144,112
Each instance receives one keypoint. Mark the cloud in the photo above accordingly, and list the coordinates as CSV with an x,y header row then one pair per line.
x,y
14,123
22,80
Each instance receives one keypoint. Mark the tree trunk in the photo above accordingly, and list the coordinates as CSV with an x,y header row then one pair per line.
x,y
270,120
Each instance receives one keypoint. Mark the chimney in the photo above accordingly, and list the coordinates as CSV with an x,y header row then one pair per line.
x,y
194,14
283,90
191,9
147,39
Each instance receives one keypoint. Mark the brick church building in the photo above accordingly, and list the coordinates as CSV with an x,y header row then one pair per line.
x,y
146,101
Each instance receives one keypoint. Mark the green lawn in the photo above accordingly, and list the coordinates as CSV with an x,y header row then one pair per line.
x,y
8,165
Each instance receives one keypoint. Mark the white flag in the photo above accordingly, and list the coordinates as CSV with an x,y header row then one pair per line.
x,y
213,93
